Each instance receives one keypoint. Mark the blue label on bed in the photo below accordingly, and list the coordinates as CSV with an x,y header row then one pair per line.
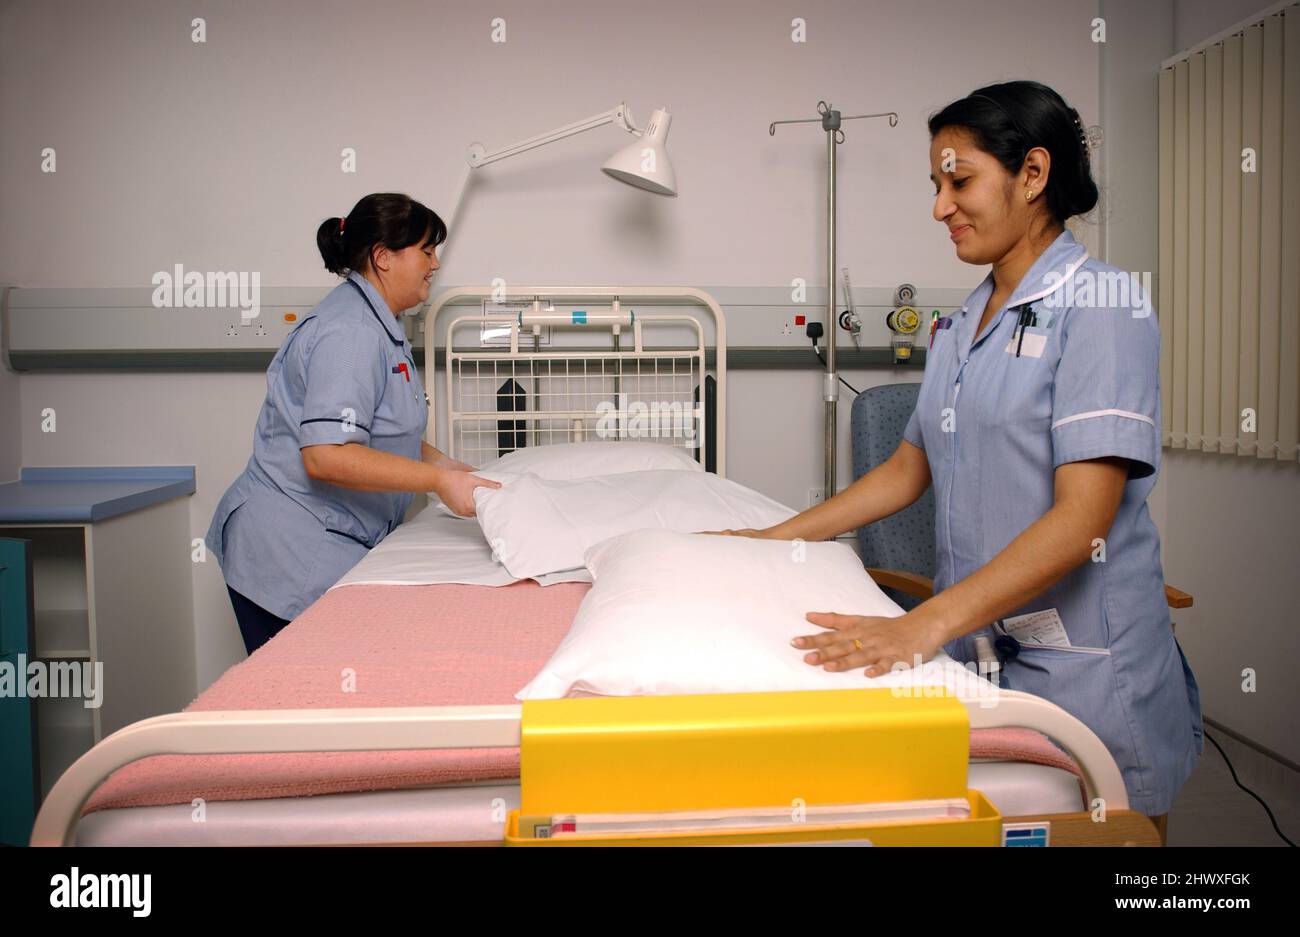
x,y
579,317
1025,834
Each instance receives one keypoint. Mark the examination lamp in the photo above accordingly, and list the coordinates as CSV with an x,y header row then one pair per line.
x,y
643,163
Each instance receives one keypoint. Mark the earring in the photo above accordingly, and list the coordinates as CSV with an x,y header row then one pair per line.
x,y
1029,194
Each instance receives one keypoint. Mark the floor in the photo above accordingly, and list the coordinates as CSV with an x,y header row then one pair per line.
x,y
1212,811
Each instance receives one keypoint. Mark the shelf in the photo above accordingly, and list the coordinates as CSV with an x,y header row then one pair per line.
x,y
60,745
62,634
87,494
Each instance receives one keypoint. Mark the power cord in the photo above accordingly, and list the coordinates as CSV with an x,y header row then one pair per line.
x,y
814,332
1272,819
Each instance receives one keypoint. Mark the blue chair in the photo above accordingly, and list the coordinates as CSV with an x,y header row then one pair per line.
x,y
904,542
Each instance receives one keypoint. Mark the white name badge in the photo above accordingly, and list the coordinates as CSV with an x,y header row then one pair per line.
x,y
1031,347
1043,628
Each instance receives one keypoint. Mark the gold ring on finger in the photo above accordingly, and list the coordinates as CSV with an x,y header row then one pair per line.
x,y
857,644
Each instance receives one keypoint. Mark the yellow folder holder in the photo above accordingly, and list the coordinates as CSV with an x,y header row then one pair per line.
x,y
777,752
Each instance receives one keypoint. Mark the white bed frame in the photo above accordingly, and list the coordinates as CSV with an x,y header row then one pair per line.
x,y
422,728
559,411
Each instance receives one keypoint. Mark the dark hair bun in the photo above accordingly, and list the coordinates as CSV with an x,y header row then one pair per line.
x,y
329,238
394,220
1010,119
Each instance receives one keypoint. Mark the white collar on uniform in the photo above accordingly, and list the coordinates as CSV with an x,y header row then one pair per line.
x,y
1049,272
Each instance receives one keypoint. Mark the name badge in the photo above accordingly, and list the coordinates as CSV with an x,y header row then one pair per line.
x,y
1042,629
1031,347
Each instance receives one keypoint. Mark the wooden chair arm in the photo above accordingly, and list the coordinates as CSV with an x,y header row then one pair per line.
x,y
919,587
1177,598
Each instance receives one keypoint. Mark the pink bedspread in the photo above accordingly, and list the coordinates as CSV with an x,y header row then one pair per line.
x,y
408,646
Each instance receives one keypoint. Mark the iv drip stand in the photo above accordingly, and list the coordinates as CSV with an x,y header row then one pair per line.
x,y
830,120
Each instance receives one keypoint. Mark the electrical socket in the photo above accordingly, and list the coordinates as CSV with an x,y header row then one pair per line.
x,y
787,329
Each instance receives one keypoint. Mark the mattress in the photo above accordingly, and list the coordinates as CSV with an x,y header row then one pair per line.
x,y
459,814
410,645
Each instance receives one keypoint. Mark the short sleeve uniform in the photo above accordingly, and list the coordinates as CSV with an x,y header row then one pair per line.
x,y
345,374
996,416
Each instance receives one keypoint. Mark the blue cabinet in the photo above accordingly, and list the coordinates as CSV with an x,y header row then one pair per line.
x,y
96,615
19,780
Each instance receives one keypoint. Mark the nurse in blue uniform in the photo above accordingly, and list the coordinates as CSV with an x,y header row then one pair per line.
x,y
339,450
1038,423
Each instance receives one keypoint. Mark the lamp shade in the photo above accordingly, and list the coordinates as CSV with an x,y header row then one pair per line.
x,y
644,162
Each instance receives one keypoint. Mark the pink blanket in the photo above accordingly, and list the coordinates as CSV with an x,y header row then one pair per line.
x,y
407,646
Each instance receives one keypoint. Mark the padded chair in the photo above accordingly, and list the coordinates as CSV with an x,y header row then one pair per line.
x,y
902,543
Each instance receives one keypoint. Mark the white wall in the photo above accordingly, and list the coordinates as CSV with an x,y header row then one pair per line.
x,y
226,156
1138,38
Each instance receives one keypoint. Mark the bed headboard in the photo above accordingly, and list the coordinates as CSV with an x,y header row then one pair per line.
x,y
530,366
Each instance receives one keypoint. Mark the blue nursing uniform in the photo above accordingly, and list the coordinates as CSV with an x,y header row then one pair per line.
x,y
995,425
343,375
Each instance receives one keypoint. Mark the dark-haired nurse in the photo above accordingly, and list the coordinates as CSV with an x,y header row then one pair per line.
x,y
339,450
1038,423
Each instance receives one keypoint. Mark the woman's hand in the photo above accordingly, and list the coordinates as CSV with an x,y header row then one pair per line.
x,y
743,532
867,641
457,490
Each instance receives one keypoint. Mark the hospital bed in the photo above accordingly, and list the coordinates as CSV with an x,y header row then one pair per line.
x,y
385,714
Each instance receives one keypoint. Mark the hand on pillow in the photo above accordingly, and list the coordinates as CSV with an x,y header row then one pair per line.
x,y
456,489
676,613
870,641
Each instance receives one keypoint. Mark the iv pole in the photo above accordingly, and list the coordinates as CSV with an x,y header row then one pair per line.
x,y
830,120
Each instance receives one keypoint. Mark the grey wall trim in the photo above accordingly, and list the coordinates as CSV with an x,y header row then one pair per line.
x,y
752,357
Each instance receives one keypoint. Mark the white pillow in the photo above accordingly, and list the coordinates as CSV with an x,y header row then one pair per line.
x,y
675,613
536,526
563,461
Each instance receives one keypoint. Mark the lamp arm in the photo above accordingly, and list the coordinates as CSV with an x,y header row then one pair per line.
x,y
477,156
458,195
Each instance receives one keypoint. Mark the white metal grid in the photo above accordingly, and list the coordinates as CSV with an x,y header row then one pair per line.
x,y
629,375
499,402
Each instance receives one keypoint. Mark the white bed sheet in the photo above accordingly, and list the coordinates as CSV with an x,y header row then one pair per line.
x,y
460,814
433,548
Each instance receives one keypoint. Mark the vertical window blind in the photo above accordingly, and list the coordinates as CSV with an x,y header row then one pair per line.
x,y
1229,279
